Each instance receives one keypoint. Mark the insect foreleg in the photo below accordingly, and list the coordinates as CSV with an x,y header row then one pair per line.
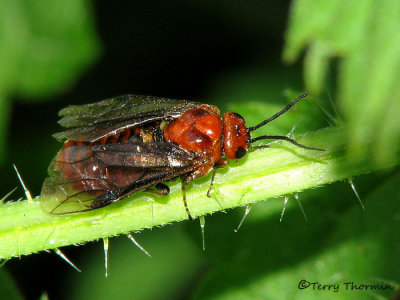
x,y
220,163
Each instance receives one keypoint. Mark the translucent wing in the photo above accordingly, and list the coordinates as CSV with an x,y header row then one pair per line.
x,y
92,122
88,176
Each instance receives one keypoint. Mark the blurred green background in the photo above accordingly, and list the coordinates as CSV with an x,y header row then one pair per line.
x,y
234,55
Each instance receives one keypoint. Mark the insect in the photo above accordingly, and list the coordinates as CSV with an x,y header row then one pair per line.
x,y
131,143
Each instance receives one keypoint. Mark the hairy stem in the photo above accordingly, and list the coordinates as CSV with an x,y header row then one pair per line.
x,y
265,173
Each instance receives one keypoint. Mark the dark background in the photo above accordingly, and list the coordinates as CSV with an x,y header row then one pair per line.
x,y
175,49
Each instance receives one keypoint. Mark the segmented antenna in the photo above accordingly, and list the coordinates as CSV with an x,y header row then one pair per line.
x,y
278,113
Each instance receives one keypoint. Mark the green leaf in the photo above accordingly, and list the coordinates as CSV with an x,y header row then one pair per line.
x,y
364,36
341,243
4,117
45,45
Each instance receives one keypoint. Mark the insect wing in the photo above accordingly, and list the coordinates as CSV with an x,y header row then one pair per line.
x,y
60,197
92,122
86,176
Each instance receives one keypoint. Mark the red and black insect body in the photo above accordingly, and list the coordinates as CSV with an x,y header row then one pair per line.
x,y
127,144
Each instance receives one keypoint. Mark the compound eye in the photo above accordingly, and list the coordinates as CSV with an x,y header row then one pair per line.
x,y
240,152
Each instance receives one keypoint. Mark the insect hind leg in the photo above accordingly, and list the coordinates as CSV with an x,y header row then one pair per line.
x,y
184,185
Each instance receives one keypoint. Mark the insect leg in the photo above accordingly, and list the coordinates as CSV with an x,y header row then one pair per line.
x,y
211,183
159,189
220,163
184,184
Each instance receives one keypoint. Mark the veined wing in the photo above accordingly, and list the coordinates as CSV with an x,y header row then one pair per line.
x,y
92,122
86,176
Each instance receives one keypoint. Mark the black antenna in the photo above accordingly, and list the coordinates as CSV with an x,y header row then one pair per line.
x,y
278,114
285,138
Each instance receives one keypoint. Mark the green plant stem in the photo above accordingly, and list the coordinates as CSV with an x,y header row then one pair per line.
x,y
265,173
